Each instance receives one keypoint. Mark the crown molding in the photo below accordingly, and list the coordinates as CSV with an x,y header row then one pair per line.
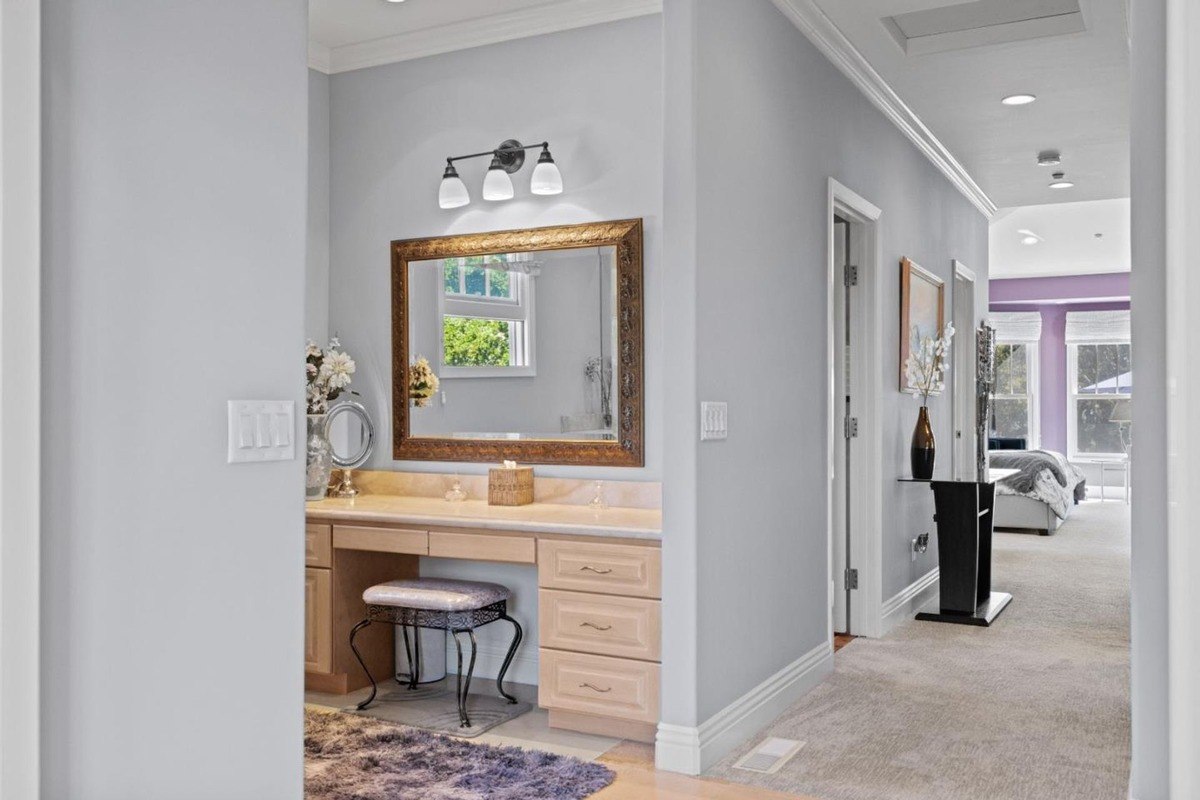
x,y
491,29
820,30
318,57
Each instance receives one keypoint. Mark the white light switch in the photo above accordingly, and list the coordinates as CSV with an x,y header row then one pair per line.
x,y
714,421
261,430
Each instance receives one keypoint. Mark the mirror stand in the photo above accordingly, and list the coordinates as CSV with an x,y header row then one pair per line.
x,y
346,488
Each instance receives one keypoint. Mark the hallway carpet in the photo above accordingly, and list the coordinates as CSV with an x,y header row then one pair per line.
x,y
1037,706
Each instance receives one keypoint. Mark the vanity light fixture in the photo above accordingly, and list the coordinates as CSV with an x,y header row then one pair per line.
x,y
1049,158
1018,99
1060,181
508,158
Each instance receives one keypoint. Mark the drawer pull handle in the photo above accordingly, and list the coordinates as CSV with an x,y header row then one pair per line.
x,y
594,625
595,688
590,568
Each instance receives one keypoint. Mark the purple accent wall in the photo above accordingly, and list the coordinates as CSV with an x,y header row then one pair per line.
x,y
1106,286
1053,298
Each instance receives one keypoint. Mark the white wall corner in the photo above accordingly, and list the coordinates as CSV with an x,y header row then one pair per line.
x,y
909,600
820,30
694,750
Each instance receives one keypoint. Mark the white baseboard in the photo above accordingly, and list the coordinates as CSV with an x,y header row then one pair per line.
x,y
679,748
909,600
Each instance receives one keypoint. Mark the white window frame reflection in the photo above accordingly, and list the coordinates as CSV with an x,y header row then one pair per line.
x,y
518,309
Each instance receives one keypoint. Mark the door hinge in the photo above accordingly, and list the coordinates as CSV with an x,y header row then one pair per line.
x,y
851,580
851,275
851,427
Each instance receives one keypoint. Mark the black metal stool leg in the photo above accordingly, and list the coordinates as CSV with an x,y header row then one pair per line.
x,y
407,657
374,689
512,652
463,720
414,666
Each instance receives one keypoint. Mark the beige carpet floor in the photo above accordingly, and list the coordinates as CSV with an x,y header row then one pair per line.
x,y
1035,707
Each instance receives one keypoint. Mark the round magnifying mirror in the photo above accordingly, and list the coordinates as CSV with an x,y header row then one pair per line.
x,y
352,437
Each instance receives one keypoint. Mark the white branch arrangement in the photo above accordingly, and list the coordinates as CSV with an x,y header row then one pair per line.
x,y
329,373
927,362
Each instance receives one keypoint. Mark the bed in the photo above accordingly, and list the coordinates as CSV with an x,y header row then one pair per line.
x,y
1042,492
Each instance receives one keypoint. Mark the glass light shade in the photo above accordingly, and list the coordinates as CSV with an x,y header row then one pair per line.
x,y
453,192
496,184
546,179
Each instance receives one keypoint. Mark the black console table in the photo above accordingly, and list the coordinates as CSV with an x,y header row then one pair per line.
x,y
963,513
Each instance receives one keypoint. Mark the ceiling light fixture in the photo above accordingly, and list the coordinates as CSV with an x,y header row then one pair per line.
x,y
1018,99
508,158
1028,236
1060,181
1049,158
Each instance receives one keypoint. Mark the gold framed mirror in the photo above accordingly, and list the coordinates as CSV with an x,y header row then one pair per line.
x,y
522,344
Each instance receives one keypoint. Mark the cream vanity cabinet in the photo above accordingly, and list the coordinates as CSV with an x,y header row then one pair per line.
x,y
600,625
599,615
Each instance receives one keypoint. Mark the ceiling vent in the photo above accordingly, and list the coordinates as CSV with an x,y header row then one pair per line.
x,y
981,23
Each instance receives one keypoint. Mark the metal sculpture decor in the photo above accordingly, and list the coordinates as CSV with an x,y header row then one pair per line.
x,y
985,384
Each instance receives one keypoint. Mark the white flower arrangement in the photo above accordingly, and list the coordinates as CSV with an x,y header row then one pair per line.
x,y
925,369
422,382
328,372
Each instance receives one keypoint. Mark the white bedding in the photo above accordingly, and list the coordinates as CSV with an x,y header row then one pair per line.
x,y
1038,480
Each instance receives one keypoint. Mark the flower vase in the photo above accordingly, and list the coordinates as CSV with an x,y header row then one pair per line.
x,y
923,447
421,400
319,458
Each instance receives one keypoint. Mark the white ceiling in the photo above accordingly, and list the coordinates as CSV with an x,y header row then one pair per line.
x,y
1068,244
1081,81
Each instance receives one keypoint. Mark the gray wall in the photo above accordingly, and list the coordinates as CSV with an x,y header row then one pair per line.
x,y
595,93
1149,599
316,316
788,120
174,248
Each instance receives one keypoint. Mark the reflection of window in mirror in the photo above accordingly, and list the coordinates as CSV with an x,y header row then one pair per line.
x,y
486,305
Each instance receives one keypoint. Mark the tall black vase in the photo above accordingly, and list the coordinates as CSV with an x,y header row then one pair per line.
x,y
924,449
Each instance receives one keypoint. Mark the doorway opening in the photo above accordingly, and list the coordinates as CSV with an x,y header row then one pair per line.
x,y
854,426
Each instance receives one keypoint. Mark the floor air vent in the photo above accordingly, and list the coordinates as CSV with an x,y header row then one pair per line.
x,y
769,756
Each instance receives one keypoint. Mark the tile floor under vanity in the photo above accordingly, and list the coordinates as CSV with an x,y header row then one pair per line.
x,y
633,762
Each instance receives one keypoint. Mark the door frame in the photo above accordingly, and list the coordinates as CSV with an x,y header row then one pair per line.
x,y
866,471
963,395
20,395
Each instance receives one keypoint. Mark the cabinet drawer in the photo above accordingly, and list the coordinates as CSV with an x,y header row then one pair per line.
x,y
318,546
483,547
609,687
627,627
598,567
318,620
381,540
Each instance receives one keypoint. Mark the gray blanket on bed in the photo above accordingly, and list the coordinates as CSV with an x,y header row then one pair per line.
x,y
1043,475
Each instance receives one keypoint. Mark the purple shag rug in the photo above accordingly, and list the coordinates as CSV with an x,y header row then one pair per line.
x,y
347,757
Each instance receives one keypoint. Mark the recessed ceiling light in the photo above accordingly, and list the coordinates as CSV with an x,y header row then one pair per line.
x,y
1018,99
1049,158
1028,236
1060,181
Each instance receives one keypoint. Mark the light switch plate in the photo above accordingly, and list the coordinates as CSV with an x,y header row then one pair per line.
x,y
714,421
261,430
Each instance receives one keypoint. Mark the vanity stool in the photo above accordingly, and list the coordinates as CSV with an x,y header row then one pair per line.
x,y
444,604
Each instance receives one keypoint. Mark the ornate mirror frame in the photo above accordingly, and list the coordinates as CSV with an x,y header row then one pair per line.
x,y
628,448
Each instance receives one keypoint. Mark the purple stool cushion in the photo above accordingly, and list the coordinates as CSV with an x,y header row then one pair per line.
x,y
436,594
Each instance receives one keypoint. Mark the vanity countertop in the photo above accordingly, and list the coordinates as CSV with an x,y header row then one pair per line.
x,y
575,520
